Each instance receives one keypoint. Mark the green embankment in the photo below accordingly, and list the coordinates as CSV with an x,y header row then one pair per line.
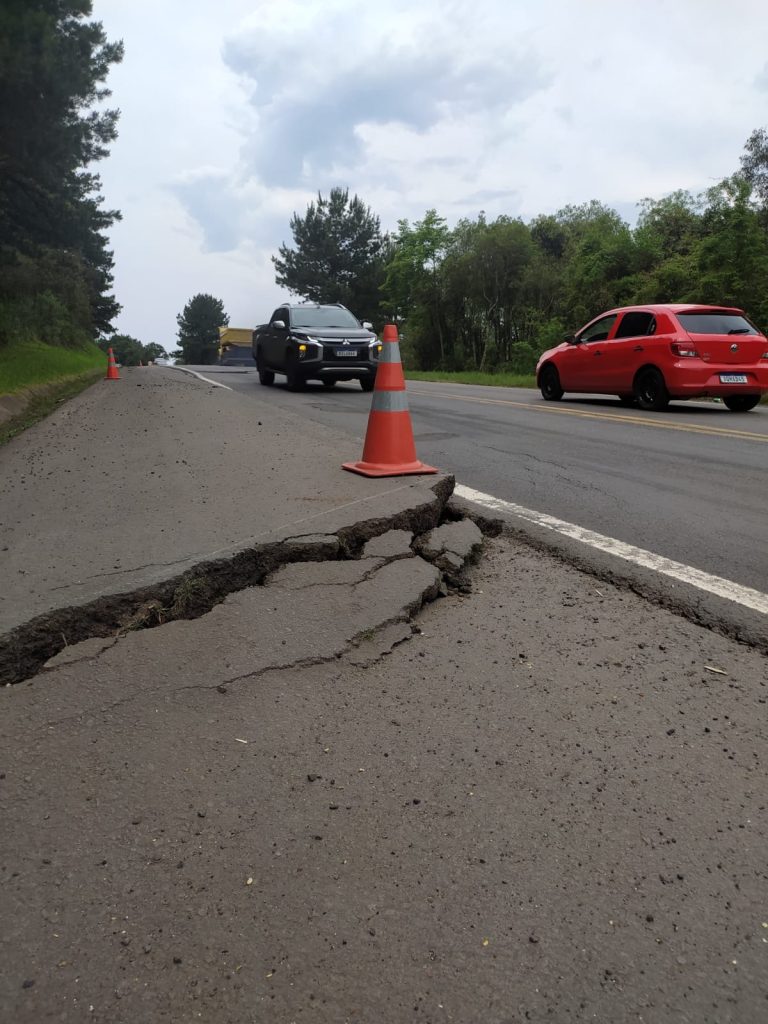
x,y
30,364
498,380
36,378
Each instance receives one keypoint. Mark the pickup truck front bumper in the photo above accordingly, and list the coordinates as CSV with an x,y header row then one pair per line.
x,y
334,360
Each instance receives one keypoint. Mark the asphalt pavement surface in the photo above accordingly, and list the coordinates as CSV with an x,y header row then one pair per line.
x,y
688,483
389,783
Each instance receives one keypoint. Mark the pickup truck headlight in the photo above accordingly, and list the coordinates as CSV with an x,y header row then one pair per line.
x,y
307,348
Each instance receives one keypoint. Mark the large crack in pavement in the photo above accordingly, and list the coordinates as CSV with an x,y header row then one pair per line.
x,y
356,556
298,619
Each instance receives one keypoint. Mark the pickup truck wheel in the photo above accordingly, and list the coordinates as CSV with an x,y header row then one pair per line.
x,y
367,383
294,379
266,377
329,383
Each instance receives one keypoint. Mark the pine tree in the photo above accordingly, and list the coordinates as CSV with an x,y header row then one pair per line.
x,y
199,324
338,255
53,63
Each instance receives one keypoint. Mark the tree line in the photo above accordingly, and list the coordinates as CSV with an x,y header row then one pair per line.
x,y
55,264
493,294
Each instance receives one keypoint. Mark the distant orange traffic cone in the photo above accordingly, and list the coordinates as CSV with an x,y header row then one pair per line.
x,y
389,448
112,373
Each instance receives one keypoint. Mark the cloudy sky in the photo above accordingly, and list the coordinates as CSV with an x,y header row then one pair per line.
x,y
235,113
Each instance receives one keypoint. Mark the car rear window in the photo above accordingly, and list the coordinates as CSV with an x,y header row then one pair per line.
x,y
716,323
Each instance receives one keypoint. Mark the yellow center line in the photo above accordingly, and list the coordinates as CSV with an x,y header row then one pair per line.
x,y
689,428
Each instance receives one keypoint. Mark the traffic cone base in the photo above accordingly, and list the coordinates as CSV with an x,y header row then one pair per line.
x,y
372,469
389,448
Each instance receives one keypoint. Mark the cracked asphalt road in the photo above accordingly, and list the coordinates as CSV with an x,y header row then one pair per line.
x,y
322,800
543,801
136,480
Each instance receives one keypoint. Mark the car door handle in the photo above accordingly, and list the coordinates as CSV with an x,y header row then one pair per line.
x,y
638,348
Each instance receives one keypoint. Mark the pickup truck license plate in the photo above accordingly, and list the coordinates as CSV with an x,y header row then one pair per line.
x,y
353,352
733,378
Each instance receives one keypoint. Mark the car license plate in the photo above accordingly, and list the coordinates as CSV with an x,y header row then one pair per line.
x,y
345,352
733,378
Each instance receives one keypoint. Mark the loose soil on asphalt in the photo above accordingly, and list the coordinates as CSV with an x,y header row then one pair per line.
x,y
544,801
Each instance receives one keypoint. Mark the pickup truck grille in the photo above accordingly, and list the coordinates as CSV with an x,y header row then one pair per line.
x,y
357,354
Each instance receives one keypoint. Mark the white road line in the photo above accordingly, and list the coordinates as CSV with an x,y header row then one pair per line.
x,y
745,596
208,380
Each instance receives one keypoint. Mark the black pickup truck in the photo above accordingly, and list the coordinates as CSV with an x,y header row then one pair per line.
x,y
308,342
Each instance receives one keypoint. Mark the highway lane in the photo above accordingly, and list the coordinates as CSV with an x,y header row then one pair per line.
x,y
689,483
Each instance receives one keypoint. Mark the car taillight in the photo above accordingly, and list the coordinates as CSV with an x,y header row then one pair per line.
x,y
764,355
685,350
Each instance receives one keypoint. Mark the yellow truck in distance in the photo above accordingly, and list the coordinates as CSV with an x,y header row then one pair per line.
x,y
235,346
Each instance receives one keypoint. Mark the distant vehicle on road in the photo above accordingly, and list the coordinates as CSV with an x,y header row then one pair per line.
x,y
651,355
235,346
313,342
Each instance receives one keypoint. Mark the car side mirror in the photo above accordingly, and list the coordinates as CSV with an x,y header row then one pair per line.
x,y
279,325
367,326
572,340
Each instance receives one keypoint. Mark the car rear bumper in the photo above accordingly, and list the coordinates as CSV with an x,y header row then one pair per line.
x,y
704,380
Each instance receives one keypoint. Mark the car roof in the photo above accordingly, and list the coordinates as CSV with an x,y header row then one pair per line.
x,y
314,305
674,307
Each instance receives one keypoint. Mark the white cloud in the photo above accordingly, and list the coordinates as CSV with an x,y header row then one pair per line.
x,y
234,115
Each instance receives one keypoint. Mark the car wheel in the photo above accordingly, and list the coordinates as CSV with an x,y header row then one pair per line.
x,y
549,384
650,391
367,383
741,403
627,399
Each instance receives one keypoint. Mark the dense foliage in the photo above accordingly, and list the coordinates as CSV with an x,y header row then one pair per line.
x,y
198,332
130,351
55,268
492,295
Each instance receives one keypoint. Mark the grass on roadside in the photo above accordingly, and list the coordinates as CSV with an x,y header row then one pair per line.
x,y
29,364
44,376
497,380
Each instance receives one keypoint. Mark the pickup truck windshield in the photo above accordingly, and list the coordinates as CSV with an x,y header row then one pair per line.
x,y
715,323
323,316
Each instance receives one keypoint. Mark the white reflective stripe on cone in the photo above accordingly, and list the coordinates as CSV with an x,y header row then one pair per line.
x,y
389,401
390,352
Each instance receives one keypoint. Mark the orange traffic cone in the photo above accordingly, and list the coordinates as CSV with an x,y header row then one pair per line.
x,y
389,449
112,373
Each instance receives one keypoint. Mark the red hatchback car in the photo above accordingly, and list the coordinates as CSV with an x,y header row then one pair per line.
x,y
650,355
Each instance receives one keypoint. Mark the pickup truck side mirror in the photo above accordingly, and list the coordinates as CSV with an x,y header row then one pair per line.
x,y
279,325
367,326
